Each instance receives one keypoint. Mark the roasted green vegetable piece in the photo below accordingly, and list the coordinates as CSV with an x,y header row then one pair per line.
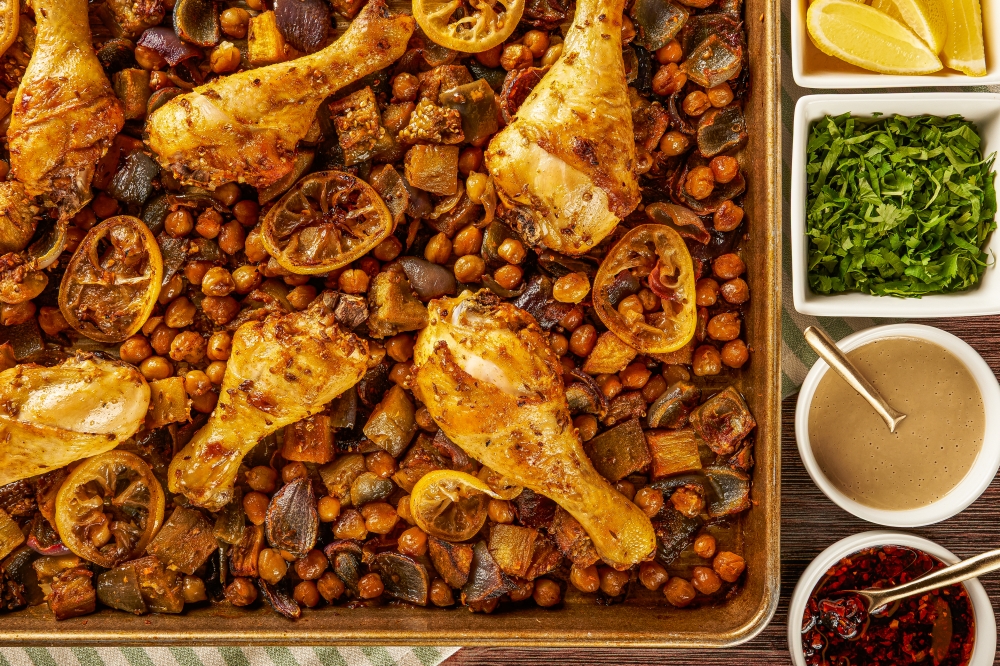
x,y
620,451
897,206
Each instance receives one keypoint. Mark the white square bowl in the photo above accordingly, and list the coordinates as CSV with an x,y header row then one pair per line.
x,y
983,109
811,68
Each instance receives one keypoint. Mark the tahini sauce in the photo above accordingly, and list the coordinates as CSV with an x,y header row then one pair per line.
x,y
933,447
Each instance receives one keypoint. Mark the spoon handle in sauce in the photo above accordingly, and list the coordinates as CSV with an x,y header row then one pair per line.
x,y
829,352
956,573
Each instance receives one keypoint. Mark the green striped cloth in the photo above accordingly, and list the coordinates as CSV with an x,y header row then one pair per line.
x,y
226,656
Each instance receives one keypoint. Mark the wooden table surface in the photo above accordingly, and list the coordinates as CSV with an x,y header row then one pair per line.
x,y
809,523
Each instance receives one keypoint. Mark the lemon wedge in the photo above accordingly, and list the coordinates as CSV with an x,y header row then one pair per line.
x,y
924,17
450,505
868,38
963,48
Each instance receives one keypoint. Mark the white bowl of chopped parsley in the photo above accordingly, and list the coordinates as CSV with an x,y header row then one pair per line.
x,y
893,205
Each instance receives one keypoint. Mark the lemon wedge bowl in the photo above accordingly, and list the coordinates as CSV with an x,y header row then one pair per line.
x,y
868,38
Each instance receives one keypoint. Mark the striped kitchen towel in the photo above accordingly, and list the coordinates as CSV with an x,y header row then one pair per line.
x,y
227,656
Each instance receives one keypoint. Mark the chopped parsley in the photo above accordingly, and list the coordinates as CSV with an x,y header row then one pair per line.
x,y
897,206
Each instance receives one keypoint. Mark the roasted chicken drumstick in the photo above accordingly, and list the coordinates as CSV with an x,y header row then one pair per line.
x,y
492,383
245,127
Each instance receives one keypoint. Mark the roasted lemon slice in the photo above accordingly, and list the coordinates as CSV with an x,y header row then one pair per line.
x,y
472,27
451,505
109,508
112,282
327,220
656,253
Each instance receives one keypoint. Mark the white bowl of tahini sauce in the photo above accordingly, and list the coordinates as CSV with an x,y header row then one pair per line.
x,y
942,456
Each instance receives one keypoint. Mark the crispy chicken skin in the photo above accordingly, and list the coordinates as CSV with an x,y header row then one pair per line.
x,y
65,114
566,164
486,373
246,127
281,370
50,417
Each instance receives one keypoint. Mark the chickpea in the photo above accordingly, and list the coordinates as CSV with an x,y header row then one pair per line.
x,y
14,315
610,385
330,587
149,59
294,470
500,511
370,586
516,56
724,326
403,509
735,354
552,54
468,240
205,402
699,182
405,87
312,565
388,249
381,464
241,592
302,296
631,308
413,541
135,349
727,216
669,52
235,22
441,594
571,288
195,271
400,373
220,310
353,281
720,96
523,589
547,593
649,300
438,250
424,420
613,582
634,376
572,319
51,320
509,276
247,212
652,575
676,373
668,80
706,292
306,593
705,580
217,282
626,488
263,479
559,344
582,341
232,237
254,246
469,269
246,278
350,525
193,590
271,567
216,372
696,103
587,425
225,58
255,507
196,382
736,291
585,579
707,361
171,290
650,500
537,42
654,388
329,508
643,160
704,546
679,592
178,224
674,143
724,168
491,57
220,345
728,266
156,367
469,160
85,219
512,251
227,194
688,501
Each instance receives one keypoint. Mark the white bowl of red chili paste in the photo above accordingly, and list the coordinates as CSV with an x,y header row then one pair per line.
x,y
953,626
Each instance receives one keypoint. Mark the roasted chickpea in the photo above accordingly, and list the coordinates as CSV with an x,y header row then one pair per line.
x,y
441,594
727,216
232,237
156,367
679,592
350,525
16,314
438,249
405,87
571,288
613,582
559,344
370,586
500,511
193,590
547,593
699,182
220,310
704,546
728,266
246,278
330,587
674,143
469,160
353,281
649,499
403,509
669,52
329,508
271,566
241,592
104,205
631,308
707,361
490,57
626,488
634,376
381,464
537,42
255,507
388,249
652,575
735,354
424,420
688,501
235,22
668,80
512,251
724,326
217,282
302,296
294,470
706,292
227,194
400,373
209,223
306,593
552,54
178,224
705,580
135,349
469,240
587,425
516,56
696,103
312,566
509,276
216,372
735,291
220,345
74,235
247,212
171,290
469,269
413,542
720,96
585,579
253,246
724,168
582,341
572,319
85,219
610,385
196,382
263,479
225,58
654,388
676,373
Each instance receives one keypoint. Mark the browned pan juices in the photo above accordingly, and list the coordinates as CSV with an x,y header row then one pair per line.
x,y
643,621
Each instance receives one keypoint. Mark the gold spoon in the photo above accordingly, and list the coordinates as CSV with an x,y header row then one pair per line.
x,y
829,352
